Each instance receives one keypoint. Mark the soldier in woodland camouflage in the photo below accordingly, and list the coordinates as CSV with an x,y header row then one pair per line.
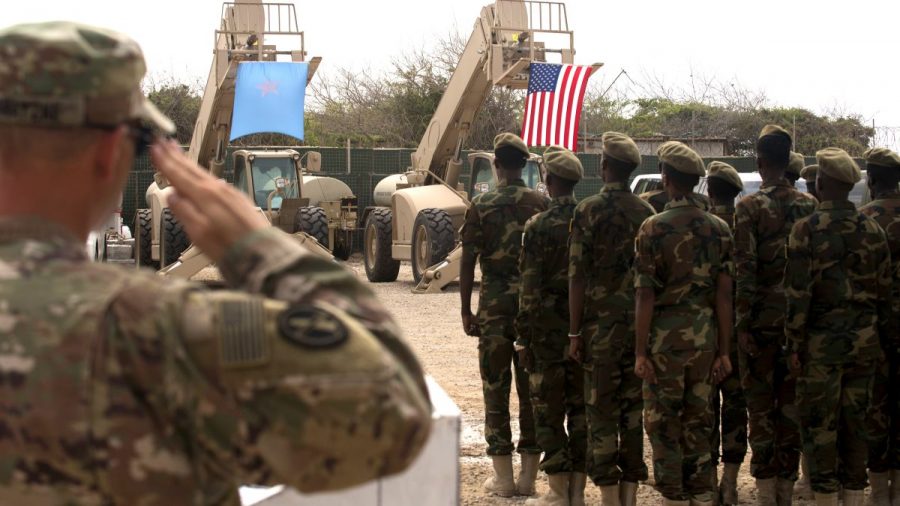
x,y
557,383
883,173
492,234
763,222
122,387
683,310
725,185
659,198
838,314
601,325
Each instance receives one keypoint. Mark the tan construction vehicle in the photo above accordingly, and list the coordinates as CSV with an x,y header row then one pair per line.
x,y
418,215
275,179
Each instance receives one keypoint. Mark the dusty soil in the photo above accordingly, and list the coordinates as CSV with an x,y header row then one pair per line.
x,y
432,326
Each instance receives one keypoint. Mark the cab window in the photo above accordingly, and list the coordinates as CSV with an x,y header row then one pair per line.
x,y
240,175
531,174
266,172
482,177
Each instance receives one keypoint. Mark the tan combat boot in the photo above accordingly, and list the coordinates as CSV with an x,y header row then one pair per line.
x,y
881,489
628,493
826,499
784,492
728,485
501,483
803,488
895,488
528,473
577,482
609,495
854,497
558,495
766,492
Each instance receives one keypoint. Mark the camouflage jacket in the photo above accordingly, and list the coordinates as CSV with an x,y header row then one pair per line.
x,y
492,233
543,320
602,250
659,198
680,254
724,213
886,211
123,387
837,279
762,224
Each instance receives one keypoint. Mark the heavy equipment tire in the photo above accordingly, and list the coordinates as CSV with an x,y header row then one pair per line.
x,y
433,239
173,240
143,239
380,264
314,222
343,244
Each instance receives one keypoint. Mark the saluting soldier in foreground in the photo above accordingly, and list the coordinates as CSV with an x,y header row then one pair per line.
x,y
883,173
683,282
729,411
123,387
557,383
763,223
492,234
601,325
838,284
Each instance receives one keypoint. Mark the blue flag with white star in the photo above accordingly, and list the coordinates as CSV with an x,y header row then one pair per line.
x,y
269,98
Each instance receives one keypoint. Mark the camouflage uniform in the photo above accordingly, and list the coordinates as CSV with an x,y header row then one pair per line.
x,y
680,254
493,233
763,222
557,383
602,253
659,198
122,387
884,452
836,279
729,411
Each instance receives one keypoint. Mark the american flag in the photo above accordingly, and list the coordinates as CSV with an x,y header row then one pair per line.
x,y
553,106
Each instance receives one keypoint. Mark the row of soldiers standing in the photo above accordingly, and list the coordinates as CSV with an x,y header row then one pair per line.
x,y
653,302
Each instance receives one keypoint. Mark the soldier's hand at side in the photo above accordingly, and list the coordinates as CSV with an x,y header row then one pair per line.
x,y
795,365
526,359
214,214
469,325
721,368
747,343
643,368
576,349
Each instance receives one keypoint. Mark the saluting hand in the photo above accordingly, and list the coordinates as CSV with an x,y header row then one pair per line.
x,y
643,368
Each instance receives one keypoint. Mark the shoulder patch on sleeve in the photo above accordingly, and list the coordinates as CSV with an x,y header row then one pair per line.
x,y
311,327
242,329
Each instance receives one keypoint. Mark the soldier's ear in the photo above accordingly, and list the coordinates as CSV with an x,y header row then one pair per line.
x,y
109,151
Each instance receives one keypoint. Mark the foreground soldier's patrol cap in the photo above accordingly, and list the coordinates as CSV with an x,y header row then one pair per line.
x,y
810,172
725,172
837,164
512,140
882,157
64,74
621,147
681,158
796,164
564,164
774,130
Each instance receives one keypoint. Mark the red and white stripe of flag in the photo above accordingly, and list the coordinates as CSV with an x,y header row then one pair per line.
x,y
553,117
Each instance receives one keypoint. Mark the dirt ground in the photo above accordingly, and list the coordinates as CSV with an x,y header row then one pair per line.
x,y
432,326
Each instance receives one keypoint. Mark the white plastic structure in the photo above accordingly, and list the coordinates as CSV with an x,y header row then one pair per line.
x,y
432,480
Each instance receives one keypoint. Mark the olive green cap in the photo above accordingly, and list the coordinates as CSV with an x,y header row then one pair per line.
x,y
564,164
809,172
837,164
681,158
725,172
774,130
512,140
621,147
556,148
796,164
882,157
63,74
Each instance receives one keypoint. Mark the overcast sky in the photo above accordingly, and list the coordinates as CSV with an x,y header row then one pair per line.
x,y
822,55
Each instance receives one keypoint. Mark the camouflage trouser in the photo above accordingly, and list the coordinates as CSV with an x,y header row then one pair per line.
x,y
881,416
497,359
679,422
833,402
774,423
557,394
614,406
730,413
